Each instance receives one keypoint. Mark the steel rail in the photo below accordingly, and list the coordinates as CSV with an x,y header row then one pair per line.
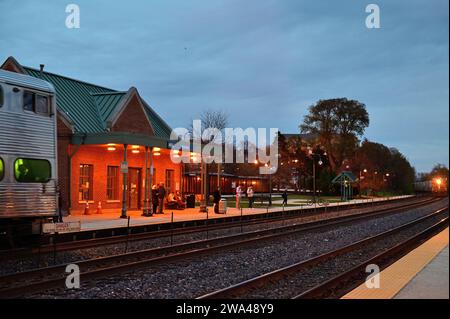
x,y
89,243
339,284
167,254
262,281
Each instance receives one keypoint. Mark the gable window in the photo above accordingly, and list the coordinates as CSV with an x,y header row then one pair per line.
x,y
28,170
112,184
37,103
85,190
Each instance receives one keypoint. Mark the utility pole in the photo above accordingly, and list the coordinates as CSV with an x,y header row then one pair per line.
x,y
313,156
204,180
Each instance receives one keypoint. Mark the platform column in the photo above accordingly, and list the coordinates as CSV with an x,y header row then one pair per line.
x,y
124,184
150,207
145,210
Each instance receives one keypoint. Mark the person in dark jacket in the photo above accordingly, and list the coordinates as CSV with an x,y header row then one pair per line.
x,y
285,197
155,200
217,197
251,196
161,196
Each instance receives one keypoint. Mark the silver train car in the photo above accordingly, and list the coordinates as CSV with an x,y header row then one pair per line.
x,y
438,186
28,150
424,186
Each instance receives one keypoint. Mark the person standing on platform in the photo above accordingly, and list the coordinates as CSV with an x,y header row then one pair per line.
x,y
250,195
155,199
238,197
161,196
285,197
217,197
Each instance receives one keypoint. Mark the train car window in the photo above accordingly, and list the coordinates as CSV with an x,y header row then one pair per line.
x,y
42,104
2,169
1,96
28,170
28,101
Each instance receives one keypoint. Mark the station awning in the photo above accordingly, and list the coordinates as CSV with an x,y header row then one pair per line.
x,y
120,138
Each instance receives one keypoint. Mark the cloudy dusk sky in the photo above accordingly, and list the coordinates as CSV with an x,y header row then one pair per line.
x,y
262,61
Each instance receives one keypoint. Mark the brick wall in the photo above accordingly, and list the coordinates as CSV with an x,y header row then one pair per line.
x,y
63,144
133,119
9,65
101,158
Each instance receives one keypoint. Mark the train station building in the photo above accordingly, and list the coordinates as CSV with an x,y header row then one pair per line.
x,y
107,141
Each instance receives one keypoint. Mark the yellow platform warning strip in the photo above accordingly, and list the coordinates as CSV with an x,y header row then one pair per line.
x,y
400,273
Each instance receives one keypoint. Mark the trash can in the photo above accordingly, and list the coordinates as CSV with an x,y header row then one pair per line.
x,y
222,206
190,201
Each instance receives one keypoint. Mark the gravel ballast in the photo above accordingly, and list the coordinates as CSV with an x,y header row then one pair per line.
x,y
48,259
194,277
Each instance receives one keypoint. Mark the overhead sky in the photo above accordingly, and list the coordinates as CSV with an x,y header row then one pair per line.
x,y
262,61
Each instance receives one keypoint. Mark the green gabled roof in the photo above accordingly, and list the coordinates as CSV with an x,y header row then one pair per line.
x,y
107,102
75,100
345,176
88,105
162,129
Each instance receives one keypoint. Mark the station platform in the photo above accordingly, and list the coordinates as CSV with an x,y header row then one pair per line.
x,y
110,218
421,274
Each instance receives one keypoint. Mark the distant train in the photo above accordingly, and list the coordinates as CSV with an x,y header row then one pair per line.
x,y
438,186
28,158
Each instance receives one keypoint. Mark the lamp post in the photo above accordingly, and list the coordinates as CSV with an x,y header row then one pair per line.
x,y
313,156
204,180
270,180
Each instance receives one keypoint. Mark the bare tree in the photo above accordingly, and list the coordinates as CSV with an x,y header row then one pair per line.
x,y
211,119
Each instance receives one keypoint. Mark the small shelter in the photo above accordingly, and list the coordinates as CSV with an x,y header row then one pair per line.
x,y
345,179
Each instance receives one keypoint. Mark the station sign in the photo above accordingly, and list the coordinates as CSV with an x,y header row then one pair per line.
x,y
124,167
49,228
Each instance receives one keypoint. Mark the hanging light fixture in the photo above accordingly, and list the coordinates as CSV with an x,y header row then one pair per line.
x,y
135,149
156,151
176,153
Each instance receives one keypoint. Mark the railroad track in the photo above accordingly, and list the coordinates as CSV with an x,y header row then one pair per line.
x,y
18,284
288,279
120,239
